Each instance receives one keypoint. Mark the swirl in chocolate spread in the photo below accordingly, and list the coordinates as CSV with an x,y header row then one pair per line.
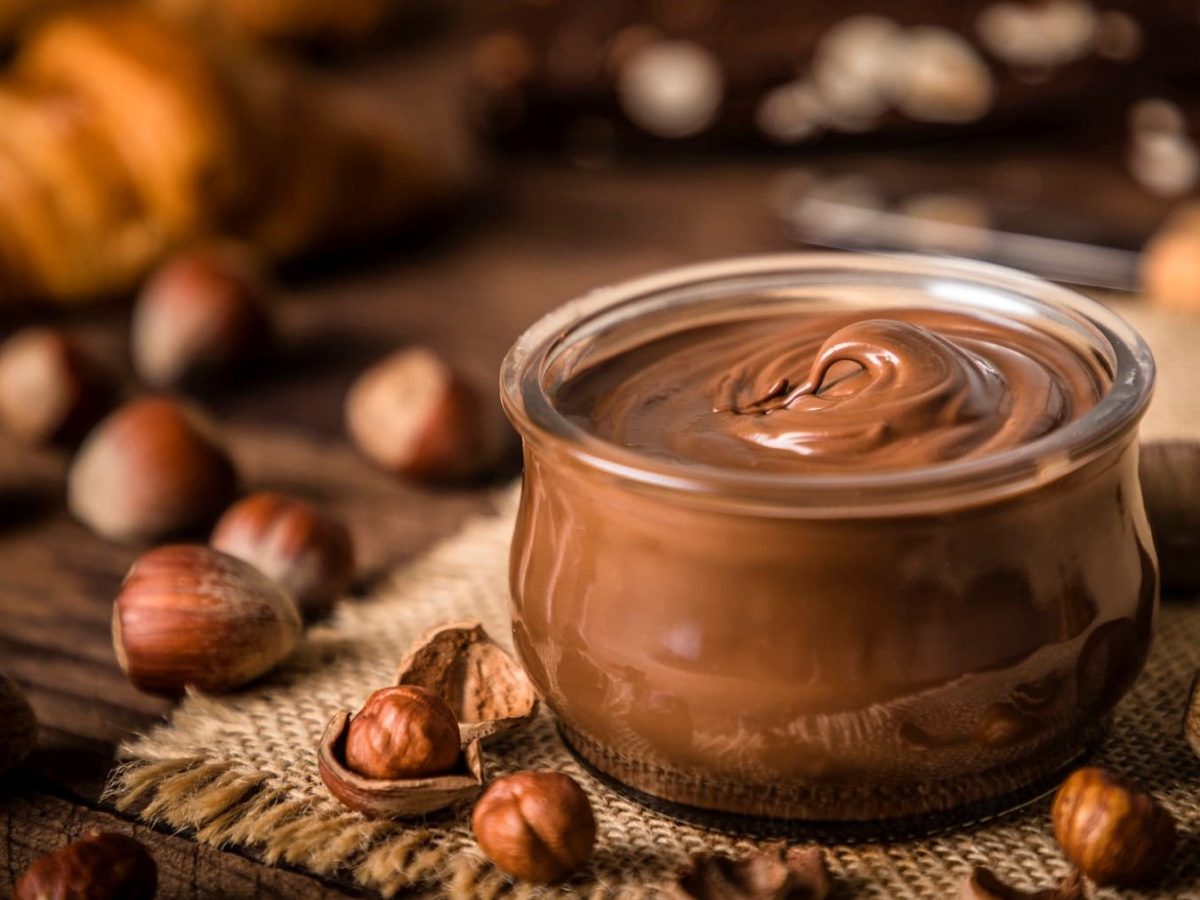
x,y
870,390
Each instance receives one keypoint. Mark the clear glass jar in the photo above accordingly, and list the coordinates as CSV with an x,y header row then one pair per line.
x,y
834,647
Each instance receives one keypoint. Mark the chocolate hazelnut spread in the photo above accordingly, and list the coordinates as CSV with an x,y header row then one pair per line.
x,y
855,653
837,392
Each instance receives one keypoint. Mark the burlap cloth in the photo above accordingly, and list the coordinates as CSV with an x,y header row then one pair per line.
x,y
242,770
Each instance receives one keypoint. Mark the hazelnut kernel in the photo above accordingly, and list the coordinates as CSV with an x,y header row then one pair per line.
x,y
102,865
1113,830
536,826
189,615
200,318
402,732
147,471
304,551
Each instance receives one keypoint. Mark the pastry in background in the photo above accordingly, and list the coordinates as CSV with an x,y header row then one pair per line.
x,y
128,134
585,76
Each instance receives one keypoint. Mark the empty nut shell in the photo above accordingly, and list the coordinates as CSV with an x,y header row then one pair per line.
x,y
188,615
488,691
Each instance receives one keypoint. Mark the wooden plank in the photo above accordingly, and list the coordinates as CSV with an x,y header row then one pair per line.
x,y
32,825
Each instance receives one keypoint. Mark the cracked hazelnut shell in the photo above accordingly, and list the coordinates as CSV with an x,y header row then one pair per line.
x,y
201,318
18,727
394,798
402,732
308,553
488,691
50,392
188,615
102,865
536,826
776,872
1112,829
149,470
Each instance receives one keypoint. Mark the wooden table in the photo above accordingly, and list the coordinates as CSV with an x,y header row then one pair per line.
x,y
544,233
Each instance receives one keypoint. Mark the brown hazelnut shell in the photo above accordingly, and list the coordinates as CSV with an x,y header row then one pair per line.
x,y
399,798
487,689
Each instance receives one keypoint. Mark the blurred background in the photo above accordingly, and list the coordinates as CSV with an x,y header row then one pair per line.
x,y
251,203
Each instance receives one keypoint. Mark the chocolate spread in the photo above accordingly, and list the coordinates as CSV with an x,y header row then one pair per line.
x,y
830,393
833,665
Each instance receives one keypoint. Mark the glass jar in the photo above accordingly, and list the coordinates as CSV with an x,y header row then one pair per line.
x,y
838,647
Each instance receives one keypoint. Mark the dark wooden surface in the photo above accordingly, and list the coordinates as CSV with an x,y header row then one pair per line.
x,y
538,234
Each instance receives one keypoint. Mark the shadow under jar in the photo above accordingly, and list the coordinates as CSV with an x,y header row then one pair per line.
x,y
830,537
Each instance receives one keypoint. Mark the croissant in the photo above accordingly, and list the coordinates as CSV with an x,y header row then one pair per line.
x,y
127,134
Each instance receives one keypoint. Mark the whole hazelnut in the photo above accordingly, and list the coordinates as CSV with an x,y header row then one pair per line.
x,y
149,470
306,552
1170,476
1115,832
190,615
102,865
536,826
413,415
201,317
50,392
1171,265
18,727
402,732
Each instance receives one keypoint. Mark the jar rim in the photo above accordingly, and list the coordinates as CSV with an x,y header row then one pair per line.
x,y
533,413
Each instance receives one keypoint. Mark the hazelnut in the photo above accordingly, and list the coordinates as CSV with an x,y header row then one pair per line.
x,y
307,553
102,865
149,470
49,391
1171,265
402,732
777,872
18,727
413,415
200,318
536,826
1115,832
190,615
1170,476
